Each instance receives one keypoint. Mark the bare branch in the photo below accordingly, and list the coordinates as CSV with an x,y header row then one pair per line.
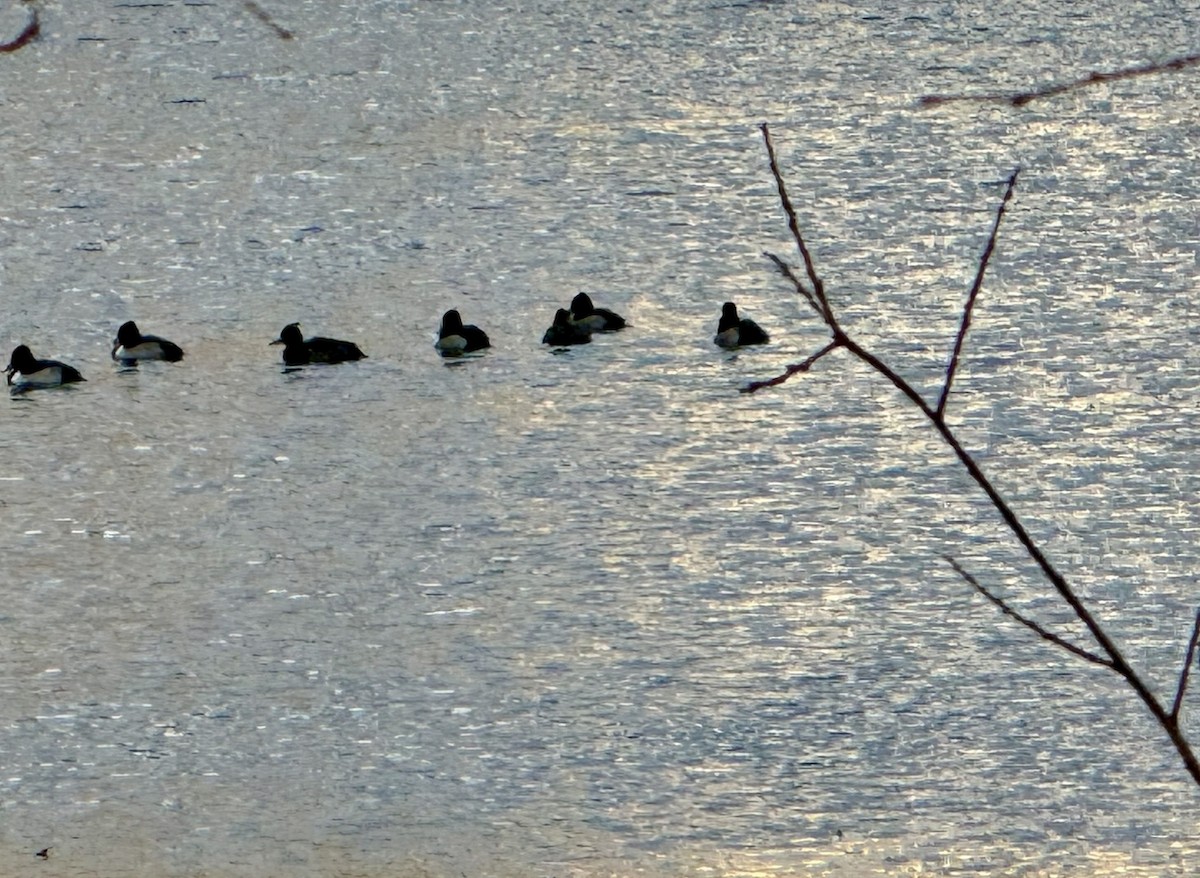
x,y
818,288
1026,621
786,271
791,370
1186,670
1119,663
971,296
1112,657
1020,99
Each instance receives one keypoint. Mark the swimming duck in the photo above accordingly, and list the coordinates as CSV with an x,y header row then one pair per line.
x,y
733,332
564,332
130,345
24,371
593,319
300,352
455,339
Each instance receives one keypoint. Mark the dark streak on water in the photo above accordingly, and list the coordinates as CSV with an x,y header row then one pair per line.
x,y
261,14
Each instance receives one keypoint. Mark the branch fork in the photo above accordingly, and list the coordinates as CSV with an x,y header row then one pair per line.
x,y
1106,654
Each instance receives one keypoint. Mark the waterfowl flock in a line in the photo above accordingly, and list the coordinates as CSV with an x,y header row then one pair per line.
x,y
571,327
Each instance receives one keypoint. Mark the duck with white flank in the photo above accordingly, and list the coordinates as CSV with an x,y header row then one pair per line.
x,y
454,338
564,332
130,346
734,332
298,351
593,319
25,371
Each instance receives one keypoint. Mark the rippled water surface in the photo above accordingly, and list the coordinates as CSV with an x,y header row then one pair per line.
x,y
592,612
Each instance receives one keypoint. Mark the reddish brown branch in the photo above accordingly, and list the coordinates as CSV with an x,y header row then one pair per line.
x,y
786,271
30,33
1026,621
1021,98
794,369
1187,669
1115,659
818,288
969,308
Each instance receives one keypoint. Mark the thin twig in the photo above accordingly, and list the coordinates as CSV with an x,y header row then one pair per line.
x,y
818,288
1019,99
1026,621
786,271
791,370
969,308
1187,669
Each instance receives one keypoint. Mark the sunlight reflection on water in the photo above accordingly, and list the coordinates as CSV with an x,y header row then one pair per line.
x,y
597,612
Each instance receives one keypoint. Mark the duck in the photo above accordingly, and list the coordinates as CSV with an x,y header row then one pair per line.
x,y
130,345
564,332
734,332
297,351
454,338
593,319
25,371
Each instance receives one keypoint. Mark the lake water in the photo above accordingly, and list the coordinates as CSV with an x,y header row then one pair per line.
x,y
590,613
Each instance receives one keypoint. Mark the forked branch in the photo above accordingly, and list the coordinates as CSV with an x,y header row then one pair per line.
x,y
969,308
1108,655
817,299
1025,620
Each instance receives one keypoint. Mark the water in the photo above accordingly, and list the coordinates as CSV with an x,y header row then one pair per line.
x,y
592,613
